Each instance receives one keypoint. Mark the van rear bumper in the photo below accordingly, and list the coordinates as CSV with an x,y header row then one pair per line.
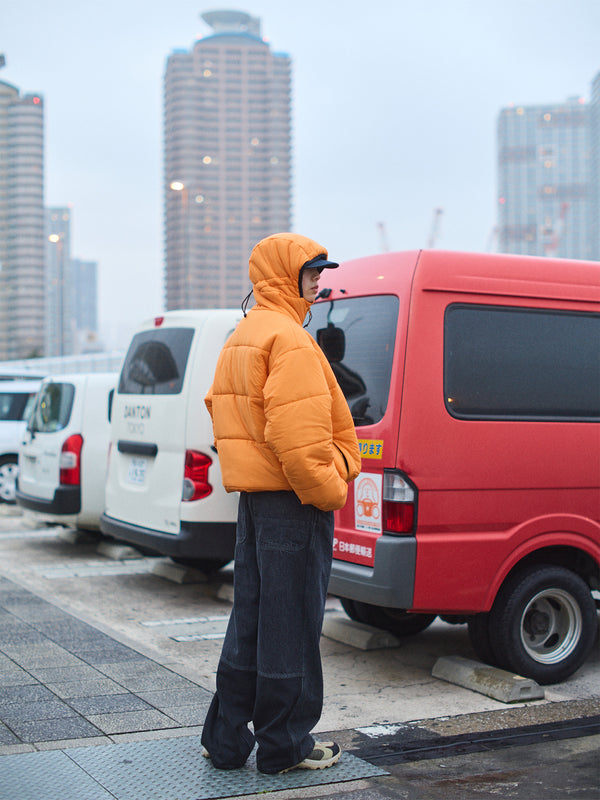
x,y
66,500
390,582
205,540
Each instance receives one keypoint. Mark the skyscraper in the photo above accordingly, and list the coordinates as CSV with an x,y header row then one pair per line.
x,y
227,159
21,223
84,302
545,180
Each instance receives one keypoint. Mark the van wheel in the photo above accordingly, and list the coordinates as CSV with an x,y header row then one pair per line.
x,y
206,565
543,623
9,469
395,620
479,634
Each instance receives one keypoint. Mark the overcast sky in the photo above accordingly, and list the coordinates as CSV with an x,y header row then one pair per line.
x,y
395,104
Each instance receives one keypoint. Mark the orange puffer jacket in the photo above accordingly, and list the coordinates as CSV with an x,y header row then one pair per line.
x,y
280,419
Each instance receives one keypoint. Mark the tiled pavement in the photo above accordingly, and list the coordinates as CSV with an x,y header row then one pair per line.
x,y
64,684
62,679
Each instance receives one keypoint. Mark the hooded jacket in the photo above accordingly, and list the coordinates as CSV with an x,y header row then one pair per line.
x,y
280,420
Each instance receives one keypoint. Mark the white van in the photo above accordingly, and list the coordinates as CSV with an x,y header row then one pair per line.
x,y
63,456
164,491
16,400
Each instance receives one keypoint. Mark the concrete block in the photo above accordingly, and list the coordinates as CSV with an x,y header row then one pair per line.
x,y
225,592
178,573
75,536
7,510
490,681
364,637
117,551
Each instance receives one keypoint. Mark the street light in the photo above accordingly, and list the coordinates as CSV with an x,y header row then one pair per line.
x,y
179,186
57,239
188,198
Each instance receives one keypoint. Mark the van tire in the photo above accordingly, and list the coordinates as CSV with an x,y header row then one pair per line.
x,y
479,635
543,623
395,620
9,469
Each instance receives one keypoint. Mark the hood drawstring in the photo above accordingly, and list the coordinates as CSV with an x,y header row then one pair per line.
x,y
245,301
307,323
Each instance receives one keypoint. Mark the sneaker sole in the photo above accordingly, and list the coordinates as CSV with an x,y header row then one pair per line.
x,y
315,765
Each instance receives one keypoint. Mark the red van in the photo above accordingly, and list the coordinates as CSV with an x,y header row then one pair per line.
x,y
474,384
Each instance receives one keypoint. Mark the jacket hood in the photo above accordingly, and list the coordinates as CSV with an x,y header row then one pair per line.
x,y
275,264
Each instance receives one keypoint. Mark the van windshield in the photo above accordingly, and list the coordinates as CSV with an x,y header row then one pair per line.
x,y
52,410
155,362
357,335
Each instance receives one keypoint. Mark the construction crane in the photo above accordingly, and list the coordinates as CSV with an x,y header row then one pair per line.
x,y
383,240
492,241
435,228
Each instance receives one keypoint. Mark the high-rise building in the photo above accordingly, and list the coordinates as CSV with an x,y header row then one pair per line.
x,y
21,224
71,291
227,159
59,315
84,302
546,184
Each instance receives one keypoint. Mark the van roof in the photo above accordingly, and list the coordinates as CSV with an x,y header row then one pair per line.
x,y
19,386
189,316
477,273
82,377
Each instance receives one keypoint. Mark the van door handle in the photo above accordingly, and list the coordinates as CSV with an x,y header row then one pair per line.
x,y
137,448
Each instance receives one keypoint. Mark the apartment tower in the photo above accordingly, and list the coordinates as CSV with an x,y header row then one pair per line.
x,y
548,187
21,224
227,159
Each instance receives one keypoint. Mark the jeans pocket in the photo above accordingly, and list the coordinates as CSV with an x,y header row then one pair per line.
x,y
284,535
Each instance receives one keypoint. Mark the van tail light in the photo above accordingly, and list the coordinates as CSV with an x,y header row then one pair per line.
x,y
399,503
70,461
195,476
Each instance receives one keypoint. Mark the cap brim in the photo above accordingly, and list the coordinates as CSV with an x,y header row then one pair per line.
x,y
322,263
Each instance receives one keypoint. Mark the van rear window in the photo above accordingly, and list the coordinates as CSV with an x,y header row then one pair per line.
x,y
155,362
52,410
513,363
357,335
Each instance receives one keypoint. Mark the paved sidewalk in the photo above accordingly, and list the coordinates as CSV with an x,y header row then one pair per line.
x,y
64,686
62,680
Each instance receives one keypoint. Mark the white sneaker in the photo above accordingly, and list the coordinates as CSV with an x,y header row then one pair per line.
x,y
324,754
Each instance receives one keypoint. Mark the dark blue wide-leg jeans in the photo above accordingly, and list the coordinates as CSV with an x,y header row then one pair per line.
x,y
270,668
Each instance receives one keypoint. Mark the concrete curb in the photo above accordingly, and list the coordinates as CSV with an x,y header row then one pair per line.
x,y
178,573
364,637
490,681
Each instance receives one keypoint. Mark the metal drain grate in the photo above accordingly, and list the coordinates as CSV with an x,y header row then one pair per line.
x,y
171,769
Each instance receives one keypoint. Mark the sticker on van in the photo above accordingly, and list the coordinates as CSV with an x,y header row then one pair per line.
x,y
370,448
367,502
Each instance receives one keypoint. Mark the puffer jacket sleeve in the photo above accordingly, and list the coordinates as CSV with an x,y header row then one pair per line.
x,y
299,426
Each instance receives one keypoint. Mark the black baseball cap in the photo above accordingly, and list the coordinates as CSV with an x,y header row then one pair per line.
x,y
320,262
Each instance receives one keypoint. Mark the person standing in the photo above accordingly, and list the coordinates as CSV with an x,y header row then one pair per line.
x,y
286,442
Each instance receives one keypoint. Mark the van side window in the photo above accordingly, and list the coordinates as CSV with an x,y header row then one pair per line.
x,y
52,410
13,405
357,335
155,362
521,363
